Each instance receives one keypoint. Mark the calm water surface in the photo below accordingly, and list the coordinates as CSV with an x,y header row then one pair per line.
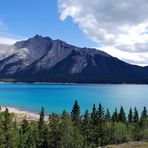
x,y
57,97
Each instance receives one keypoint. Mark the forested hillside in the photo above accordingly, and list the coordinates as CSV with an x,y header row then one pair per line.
x,y
90,130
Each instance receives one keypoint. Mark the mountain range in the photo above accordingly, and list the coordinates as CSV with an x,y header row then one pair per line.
x,y
42,59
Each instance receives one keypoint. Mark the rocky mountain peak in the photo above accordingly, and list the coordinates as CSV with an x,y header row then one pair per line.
x,y
43,59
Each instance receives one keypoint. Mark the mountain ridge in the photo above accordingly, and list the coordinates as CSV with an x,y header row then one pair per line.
x,y
41,59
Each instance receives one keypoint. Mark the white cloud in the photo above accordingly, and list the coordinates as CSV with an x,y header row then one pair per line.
x,y
6,38
119,26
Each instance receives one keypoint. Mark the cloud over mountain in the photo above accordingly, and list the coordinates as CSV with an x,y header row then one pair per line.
x,y
7,38
120,27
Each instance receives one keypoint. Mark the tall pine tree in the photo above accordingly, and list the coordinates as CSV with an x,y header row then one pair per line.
x,y
108,115
55,124
86,129
66,131
75,114
130,116
25,136
144,118
122,115
100,126
41,129
144,113
115,116
136,116
93,124
7,130
94,115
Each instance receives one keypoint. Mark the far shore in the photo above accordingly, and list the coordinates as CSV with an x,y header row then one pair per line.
x,y
68,83
22,114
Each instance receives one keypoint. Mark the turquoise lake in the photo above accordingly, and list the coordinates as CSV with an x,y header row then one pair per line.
x,y
57,97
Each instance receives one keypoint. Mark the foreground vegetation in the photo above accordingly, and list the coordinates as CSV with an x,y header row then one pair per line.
x,y
91,130
130,145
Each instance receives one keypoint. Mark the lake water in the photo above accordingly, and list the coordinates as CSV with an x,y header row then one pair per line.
x,y
57,97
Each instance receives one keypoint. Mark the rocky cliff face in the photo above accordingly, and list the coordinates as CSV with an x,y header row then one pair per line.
x,y
41,59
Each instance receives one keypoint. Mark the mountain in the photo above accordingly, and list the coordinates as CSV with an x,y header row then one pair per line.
x,y
41,59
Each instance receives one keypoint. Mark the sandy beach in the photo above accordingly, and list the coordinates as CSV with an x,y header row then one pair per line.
x,y
22,114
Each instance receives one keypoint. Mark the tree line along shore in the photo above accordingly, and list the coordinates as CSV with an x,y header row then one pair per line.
x,y
72,130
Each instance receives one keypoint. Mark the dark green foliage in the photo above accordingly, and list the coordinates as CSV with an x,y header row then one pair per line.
x,y
145,134
7,130
86,129
94,121
108,115
137,132
130,116
109,132
55,123
120,132
46,143
75,114
23,134
100,133
42,130
26,139
77,138
66,139
115,116
144,118
24,126
136,116
70,131
94,116
144,113
122,115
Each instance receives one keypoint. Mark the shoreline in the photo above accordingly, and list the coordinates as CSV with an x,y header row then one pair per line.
x,y
66,83
23,114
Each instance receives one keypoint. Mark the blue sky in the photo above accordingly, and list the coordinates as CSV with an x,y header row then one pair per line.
x,y
27,18
119,29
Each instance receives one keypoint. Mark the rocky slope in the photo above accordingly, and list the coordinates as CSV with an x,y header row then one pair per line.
x,y
41,59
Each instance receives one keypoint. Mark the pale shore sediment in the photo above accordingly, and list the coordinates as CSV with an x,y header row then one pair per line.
x,y
22,114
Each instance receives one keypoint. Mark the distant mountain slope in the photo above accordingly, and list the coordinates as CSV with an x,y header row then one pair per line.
x,y
41,59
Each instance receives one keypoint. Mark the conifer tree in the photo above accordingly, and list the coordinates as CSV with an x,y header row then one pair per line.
x,y
24,126
7,130
66,131
46,138
77,138
95,130
144,118
115,116
55,124
130,116
75,114
93,125
144,113
136,132
24,135
100,126
136,116
108,115
86,129
122,115
94,116
41,128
